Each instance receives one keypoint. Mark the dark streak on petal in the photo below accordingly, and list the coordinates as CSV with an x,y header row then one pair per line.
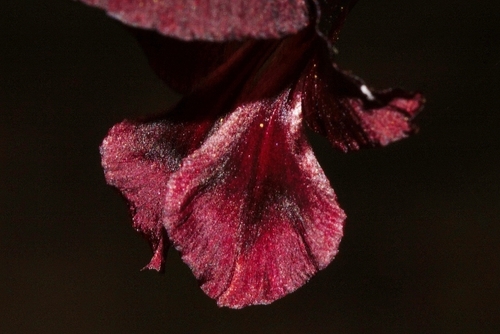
x,y
139,157
251,211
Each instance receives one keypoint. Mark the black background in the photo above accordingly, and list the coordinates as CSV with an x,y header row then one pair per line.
x,y
421,247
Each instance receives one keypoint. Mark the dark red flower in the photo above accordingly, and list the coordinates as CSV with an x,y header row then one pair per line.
x,y
227,176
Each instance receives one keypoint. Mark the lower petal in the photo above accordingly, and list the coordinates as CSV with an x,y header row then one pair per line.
x,y
251,211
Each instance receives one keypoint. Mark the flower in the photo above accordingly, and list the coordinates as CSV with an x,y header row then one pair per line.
x,y
227,176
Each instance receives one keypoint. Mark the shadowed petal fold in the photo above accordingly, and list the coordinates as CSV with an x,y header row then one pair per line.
x,y
251,211
341,107
214,20
184,66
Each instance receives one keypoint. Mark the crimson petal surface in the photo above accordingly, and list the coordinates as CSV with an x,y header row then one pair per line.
x,y
138,159
251,211
214,20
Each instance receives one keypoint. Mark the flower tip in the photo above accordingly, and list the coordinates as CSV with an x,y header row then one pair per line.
x,y
157,263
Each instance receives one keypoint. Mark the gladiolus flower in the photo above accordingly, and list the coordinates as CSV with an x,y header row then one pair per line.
x,y
227,176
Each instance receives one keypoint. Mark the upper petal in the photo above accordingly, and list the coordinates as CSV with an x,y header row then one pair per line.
x,y
251,211
341,107
215,20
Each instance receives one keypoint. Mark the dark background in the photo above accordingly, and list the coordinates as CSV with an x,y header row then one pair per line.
x,y
421,246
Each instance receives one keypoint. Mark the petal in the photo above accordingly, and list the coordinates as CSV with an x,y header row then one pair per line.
x,y
342,108
251,211
184,66
214,20
138,159
126,166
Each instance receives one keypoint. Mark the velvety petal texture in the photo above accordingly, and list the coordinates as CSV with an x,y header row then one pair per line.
x,y
213,20
124,158
227,176
251,211
138,158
